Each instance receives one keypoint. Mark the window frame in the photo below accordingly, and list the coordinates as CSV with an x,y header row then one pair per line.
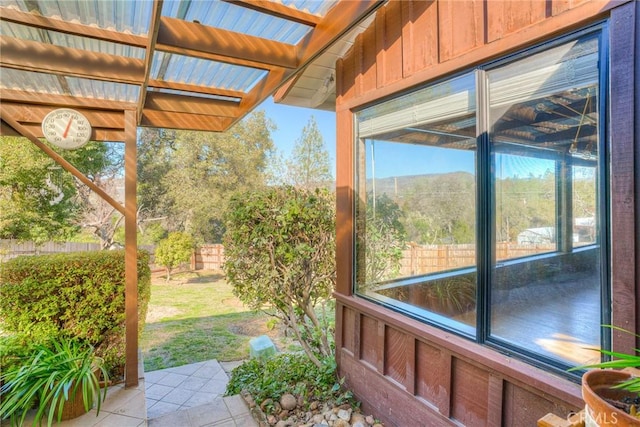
x,y
485,219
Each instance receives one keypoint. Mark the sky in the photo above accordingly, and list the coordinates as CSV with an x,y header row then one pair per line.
x,y
290,121
397,159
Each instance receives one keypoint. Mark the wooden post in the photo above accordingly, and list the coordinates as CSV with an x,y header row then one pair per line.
x,y
131,251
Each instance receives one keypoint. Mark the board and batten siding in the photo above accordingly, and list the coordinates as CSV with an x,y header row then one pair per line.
x,y
403,370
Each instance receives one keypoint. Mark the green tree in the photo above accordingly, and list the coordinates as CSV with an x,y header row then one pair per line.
x,y
36,202
383,240
206,168
155,153
39,200
173,251
440,208
310,165
102,163
280,254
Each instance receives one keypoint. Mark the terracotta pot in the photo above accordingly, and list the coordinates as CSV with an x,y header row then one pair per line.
x,y
596,387
73,408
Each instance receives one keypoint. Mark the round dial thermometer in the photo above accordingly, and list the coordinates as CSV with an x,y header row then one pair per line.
x,y
66,128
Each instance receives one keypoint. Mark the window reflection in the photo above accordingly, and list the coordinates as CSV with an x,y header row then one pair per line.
x,y
545,276
416,215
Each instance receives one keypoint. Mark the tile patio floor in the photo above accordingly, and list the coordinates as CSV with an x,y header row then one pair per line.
x,y
192,396
184,396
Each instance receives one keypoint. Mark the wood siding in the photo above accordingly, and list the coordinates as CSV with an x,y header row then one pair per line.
x,y
403,370
410,374
413,42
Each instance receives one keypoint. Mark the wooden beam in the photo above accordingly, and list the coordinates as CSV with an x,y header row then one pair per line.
x,y
154,118
624,177
338,21
191,104
6,130
163,84
279,10
36,113
6,115
214,57
97,134
56,100
42,22
46,58
195,37
150,47
283,90
130,252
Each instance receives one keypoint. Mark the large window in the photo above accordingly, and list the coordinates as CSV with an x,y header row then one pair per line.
x,y
480,203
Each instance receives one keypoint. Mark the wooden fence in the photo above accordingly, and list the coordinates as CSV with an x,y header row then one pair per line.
x,y
13,248
208,257
416,259
424,259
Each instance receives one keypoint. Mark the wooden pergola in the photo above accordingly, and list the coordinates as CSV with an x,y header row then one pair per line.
x,y
38,76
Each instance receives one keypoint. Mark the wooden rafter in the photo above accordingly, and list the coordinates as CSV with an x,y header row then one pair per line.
x,y
204,90
150,48
42,22
40,57
190,104
279,10
55,100
194,37
172,120
36,113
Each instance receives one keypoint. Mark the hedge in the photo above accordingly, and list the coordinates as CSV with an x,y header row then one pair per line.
x,y
79,294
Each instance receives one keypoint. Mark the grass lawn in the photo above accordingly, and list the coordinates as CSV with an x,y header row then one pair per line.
x,y
196,317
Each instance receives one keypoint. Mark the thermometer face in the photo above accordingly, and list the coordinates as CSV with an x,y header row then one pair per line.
x,y
66,128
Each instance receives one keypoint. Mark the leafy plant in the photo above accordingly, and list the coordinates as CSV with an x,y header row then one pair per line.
x,y
280,255
288,373
79,294
53,375
619,361
14,349
173,251
384,242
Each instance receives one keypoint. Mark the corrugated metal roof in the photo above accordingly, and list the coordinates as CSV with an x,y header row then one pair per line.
x,y
74,86
132,17
126,16
235,18
203,72
24,32
220,50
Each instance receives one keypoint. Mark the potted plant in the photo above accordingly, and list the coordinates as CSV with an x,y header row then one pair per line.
x,y
612,396
61,378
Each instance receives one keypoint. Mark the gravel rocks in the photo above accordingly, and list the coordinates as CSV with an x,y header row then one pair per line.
x,y
290,412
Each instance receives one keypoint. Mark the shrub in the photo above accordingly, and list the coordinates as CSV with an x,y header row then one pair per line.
x,y
280,253
287,373
77,295
174,251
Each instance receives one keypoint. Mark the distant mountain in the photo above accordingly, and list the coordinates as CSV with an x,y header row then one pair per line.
x,y
396,187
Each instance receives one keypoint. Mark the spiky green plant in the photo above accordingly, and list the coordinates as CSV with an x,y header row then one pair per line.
x,y
50,377
619,361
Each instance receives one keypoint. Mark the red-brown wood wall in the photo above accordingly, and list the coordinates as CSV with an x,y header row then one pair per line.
x,y
409,373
